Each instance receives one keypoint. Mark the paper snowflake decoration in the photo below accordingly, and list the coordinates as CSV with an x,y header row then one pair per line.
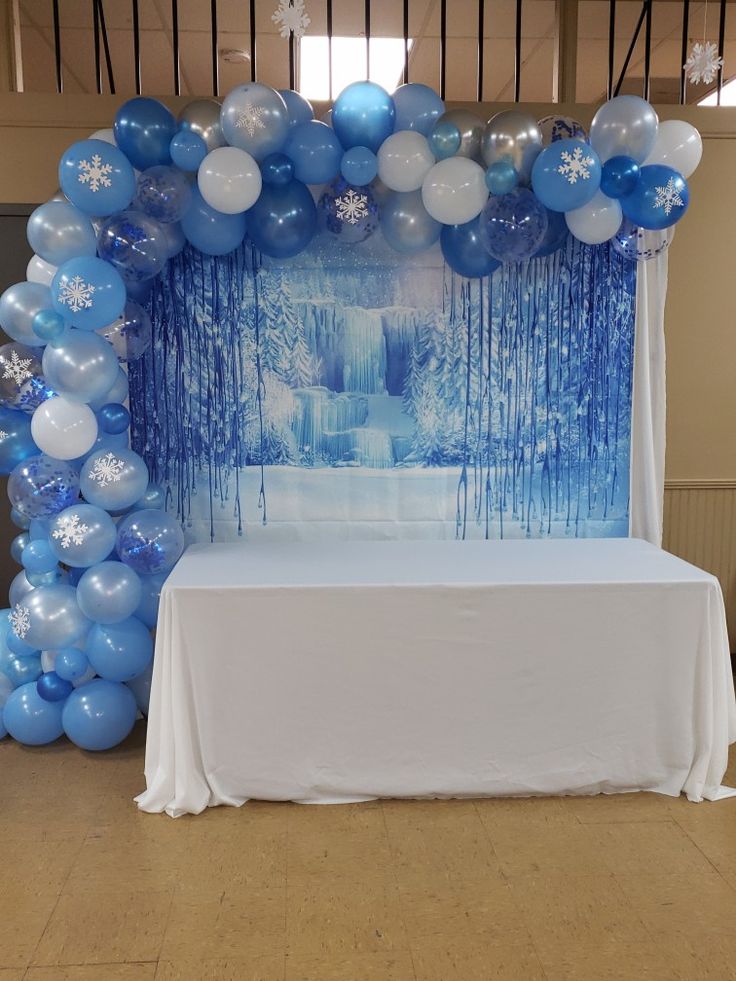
x,y
3,434
291,17
76,294
106,470
20,620
575,165
703,63
95,174
351,207
16,368
69,530
668,197
250,119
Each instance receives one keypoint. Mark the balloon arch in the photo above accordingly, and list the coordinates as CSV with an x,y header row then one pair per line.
x,y
96,542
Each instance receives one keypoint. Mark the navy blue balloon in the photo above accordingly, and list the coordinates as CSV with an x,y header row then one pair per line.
x,y
555,236
464,252
211,231
16,442
96,177
187,150
359,166
619,176
99,715
299,109
53,688
363,115
144,129
315,151
283,220
113,418
659,199
512,226
277,169
417,107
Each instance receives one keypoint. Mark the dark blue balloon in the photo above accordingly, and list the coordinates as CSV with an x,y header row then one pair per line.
x,y
96,177
113,418
363,115
277,169
359,166
144,129
53,688
315,151
464,252
187,150
16,442
99,715
619,176
659,199
555,236
283,220
512,226
211,231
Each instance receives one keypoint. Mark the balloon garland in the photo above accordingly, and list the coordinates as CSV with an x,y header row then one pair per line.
x,y
95,542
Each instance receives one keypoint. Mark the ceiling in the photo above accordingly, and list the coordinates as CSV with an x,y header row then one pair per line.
x,y
537,48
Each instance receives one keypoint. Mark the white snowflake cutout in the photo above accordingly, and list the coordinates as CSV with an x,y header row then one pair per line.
x,y
291,17
95,174
351,207
668,197
250,119
20,620
76,294
69,530
16,368
575,165
3,434
703,63
106,470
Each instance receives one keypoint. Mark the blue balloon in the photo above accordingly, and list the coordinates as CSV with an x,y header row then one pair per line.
x,y
19,520
113,480
164,193
99,715
566,175
109,592
501,177
135,244
55,575
418,107
49,617
19,588
113,418
359,166
144,129
406,224
619,176
153,498
38,557
41,486
445,139
147,609
39,529
16,442
119,651
187,150
350,213
299,109
283,220
31,719
315,152
363,115
130,336
174,238
141,688
22,669
88,292
18,646
211,231
49,326
17,546
277,169
53,688
556,235
660,198
96,177
82,535
464,252
19,305
513,226
81,367
150,541
71,663
58,231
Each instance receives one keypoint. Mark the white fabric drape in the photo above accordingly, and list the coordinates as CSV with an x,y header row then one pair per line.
x,y
649,401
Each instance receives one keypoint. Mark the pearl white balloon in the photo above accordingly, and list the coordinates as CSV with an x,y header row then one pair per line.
x,y
596,221
678,145
40,271
454,191
229,180
62,429
404,160
106,135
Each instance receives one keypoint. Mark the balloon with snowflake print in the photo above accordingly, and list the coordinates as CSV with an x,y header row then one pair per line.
x,y
119,651
130,334
66,429
30,719
19,304
97,177
163,193
210,231
109,592
512,226
41,486
464,252
81,367
624,126
283,220
99,715
315,151
566,175
363,115
18,365
150,542
88,292
254,117
82,535
113,480
144,129
49,617
58,231
659,200
350,213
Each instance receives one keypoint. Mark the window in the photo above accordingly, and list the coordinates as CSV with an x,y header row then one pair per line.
x,y
348,64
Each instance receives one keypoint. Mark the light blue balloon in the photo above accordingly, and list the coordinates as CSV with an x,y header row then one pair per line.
x,y
210,231
463,250
624,126
19,587
154,498
255,118
187,150
363,115
19,305
299,109
405,223
150,542
16,442
113,480
58,231
70,663
22,669
46,578
81,367
147,609
99,715
31,719
109,592
38,557
48,326
141,688
283,220
3,730
17,546
119,390
315,152
501,177
359,166
54,618
39,529
96,177
660,198
566,175
164,193
144,129
119,651
82,535
19,520
418,107
445,139
88,292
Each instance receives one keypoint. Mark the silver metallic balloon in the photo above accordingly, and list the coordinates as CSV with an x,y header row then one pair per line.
x,y
515,137
471,131
202,117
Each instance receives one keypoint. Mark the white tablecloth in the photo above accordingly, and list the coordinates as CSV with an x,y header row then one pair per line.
x,y
346,671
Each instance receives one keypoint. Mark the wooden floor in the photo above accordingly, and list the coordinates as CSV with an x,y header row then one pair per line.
x,y
588,889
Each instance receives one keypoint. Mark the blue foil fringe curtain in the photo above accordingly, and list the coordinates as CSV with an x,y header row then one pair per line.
x,y
521,383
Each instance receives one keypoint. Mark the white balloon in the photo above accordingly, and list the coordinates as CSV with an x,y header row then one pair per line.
x,y
596,221
229,180
106,135
678,145
404,160
454,191
62,429
40,271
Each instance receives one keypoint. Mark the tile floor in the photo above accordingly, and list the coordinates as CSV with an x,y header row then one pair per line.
x,y
634,887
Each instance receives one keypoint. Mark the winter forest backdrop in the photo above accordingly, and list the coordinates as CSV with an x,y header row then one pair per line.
x,y
358,393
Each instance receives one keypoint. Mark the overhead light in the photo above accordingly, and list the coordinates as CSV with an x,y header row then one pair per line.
x,y
349,64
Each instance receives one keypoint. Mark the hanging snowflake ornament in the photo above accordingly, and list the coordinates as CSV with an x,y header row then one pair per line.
x,y
95,174
16,368
291,18
20,620
3,434
250,119
574,165
69,530
107,469
76,294
351,207
703,63
668,197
